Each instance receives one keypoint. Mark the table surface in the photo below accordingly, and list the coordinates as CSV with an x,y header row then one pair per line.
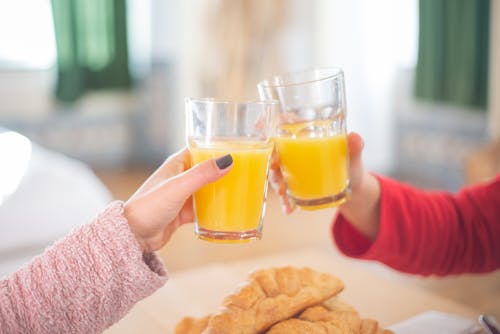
x,y
200,291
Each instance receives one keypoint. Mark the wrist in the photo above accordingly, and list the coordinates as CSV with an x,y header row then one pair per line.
x,y
364,187
129,214
362,209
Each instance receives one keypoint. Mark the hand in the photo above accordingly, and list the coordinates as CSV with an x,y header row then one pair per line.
x,y
164,201
362,208
355,146
356,171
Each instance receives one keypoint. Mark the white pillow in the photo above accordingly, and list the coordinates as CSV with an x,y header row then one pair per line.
x,y
54,195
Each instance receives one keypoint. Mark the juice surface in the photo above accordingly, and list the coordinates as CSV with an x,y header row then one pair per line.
x,y
313,165
236,201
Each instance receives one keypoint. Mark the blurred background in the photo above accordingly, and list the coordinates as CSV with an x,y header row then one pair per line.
x,y
92,92
104,81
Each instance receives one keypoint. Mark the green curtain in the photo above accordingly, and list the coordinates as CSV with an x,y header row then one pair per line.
x,y
91,40
453,51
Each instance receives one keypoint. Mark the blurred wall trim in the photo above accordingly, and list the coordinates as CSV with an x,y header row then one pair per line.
x,y
433,140
494,84
108,129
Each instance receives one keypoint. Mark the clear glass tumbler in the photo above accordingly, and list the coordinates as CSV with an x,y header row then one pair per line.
x,y
231,209
311,136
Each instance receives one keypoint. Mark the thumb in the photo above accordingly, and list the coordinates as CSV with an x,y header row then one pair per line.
x,y
186,183
355,144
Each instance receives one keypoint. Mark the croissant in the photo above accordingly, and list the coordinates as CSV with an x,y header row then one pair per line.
x,y
284,300
271,296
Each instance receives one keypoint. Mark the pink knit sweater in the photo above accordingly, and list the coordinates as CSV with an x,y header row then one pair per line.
x,y
83,283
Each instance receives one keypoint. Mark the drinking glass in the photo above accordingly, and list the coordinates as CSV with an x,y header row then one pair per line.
x,y
311,136
231,209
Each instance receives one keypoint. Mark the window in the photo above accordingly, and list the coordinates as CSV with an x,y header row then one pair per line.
x,y
26,35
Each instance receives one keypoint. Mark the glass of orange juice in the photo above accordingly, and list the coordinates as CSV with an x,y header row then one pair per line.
x,y
311,137
231,209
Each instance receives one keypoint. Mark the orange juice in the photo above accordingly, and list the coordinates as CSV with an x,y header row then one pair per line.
x,y
314,165
234,203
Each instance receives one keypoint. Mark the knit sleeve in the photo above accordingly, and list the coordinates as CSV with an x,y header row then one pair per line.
x,y
430,232
83,283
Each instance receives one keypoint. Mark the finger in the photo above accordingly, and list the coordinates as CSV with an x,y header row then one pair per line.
x,y
186,214
185,184
286,205
173,165
277,182
275,175
275,161
279,186
355,143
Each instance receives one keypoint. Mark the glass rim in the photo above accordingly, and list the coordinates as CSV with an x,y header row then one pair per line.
x,y
230,102
334,72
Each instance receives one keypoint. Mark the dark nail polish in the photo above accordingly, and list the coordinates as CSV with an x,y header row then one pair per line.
x,y
224,162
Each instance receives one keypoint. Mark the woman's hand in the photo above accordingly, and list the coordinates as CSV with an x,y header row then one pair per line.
x,y
164,201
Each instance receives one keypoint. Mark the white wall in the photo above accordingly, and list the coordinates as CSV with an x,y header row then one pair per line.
x,y
296,49
370,41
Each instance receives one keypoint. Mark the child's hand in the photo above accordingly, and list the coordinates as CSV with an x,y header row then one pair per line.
x,y
355,146
164,201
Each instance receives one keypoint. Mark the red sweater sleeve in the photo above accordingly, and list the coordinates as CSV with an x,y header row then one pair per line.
x,y
430,232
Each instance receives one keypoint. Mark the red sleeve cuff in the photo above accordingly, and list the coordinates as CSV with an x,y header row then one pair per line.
x,y
348,239
353,243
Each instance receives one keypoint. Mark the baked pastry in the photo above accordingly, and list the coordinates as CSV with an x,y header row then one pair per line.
x,y
342,321
298,326
370,326
320,320
284,301
271,296
190,325
336,305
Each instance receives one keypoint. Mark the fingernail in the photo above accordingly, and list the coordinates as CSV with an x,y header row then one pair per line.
x,y
224,162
